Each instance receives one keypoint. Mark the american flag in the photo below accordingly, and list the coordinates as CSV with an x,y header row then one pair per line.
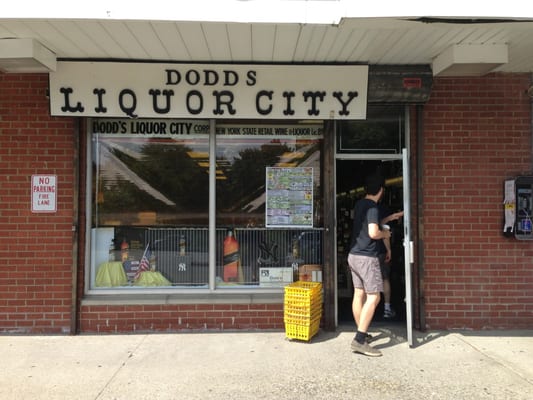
x,y
144,265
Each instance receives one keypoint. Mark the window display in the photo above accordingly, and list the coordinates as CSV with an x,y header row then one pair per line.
x,y
150,204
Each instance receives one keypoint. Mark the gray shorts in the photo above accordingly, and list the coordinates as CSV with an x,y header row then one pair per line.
x,y
366,273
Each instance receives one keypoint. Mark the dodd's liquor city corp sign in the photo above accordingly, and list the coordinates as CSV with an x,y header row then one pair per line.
x,y
153,90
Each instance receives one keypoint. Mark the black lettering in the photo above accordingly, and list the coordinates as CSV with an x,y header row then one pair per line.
x,y
128,110
180,128
200,100
192,77
313,96
67,107
100,97
148,127
173,77
267,94
155,93
252,79
288,110
211,77
107,127
220,101
230,78
351,96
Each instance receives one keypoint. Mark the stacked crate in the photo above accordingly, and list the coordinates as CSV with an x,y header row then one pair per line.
x,y
302,309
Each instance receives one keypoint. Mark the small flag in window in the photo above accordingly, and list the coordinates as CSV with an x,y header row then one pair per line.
x,y
144,265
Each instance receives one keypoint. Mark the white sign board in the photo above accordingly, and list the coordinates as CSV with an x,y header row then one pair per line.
x,y
275,276
289,197
43,193
219,91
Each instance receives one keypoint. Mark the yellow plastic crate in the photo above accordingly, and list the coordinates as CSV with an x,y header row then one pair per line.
x,y
303,294
301,305
303,311
303,289
302,332
301,320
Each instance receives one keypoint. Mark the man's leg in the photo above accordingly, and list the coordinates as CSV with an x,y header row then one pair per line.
x,y
360,342
367,311
359,298
386,290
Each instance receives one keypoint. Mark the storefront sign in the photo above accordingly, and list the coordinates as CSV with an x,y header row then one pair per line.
x,y
43,193
149,127
173,127
307,130
220,91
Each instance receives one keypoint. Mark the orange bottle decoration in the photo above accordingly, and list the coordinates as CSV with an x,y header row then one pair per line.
x,y
231,259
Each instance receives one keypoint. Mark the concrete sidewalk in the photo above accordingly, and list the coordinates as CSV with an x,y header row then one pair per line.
x,y
264,365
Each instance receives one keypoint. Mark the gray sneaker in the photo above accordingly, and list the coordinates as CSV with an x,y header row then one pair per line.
x,y
365,349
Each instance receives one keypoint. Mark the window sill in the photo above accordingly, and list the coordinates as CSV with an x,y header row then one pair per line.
x,y
191,298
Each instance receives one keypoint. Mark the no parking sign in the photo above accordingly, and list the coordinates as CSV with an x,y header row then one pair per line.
x,y
43,193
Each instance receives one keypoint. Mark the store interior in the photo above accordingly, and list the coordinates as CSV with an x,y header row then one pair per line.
x,y
349,188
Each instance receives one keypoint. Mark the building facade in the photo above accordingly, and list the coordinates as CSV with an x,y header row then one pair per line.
x,y
129,221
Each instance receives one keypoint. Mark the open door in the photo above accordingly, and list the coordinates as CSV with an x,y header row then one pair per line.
x,y
350,177
408,249
378,144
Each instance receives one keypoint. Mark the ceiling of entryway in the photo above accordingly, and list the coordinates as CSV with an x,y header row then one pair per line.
x,y
416,40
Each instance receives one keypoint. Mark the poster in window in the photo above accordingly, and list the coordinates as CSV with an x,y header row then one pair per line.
x,y
289,197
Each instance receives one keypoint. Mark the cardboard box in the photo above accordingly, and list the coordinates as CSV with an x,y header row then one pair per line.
x,y
275,277
310,272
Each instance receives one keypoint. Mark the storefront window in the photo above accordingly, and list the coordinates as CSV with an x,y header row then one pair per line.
x,y
150,204
263,242
382,133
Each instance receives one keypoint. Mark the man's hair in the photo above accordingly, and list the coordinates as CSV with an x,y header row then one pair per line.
x,y
373,183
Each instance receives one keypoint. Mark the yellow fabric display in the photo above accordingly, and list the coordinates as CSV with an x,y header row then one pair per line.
x,y
152,278
111,274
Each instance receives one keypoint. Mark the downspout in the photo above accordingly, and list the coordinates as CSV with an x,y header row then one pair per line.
x,y
75,229
420,215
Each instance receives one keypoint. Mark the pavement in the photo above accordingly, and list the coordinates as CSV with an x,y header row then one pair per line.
x,y
266,365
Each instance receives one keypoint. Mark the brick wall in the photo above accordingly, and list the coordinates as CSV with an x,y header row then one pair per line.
x,y
36,249
181,317
477,134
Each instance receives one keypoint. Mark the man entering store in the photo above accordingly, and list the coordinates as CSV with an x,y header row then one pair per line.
x,y
364,263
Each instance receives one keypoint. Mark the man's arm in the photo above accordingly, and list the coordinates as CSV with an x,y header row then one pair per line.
x,y
392,217
375,233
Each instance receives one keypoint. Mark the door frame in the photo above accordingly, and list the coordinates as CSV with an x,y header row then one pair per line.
x,y
404,156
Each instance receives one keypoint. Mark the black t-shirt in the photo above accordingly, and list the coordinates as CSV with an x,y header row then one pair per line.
x,y
365,212
383,212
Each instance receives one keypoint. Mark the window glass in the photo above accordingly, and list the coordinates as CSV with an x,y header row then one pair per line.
x,y
381,133
150,203
248,252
